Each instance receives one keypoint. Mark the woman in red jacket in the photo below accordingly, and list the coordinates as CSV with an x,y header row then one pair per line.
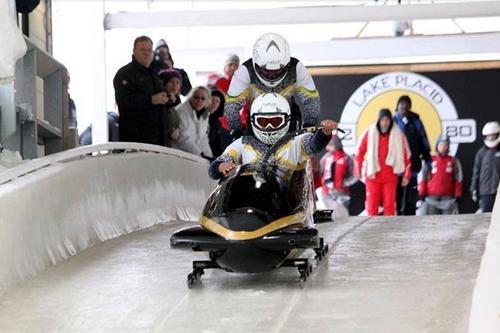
x,y
386,154
441,185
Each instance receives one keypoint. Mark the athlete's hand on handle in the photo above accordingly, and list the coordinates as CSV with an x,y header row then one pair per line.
x,y
225,167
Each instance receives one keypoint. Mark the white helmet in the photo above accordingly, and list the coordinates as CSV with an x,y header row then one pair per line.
x,y
271,56
270,117
491,128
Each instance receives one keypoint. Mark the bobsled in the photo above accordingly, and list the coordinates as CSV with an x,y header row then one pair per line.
x,y
259,218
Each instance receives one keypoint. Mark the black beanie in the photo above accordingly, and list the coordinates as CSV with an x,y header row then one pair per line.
x,y
384,113
404,98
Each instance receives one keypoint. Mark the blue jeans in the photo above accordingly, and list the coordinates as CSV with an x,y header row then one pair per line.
x,y
486,202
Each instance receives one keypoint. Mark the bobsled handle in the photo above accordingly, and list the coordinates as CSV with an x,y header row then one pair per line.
x,y
313,129
286,138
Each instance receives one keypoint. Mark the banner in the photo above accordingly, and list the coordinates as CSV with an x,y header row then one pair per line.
x,y
456,100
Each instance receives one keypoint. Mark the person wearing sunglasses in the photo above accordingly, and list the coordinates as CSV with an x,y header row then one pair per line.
x,y
272,69
193,123
269,121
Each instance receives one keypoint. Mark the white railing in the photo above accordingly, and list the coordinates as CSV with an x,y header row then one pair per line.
x,y
94,151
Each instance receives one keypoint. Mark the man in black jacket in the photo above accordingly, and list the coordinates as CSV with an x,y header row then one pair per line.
x,y
140,97
410,124
486,172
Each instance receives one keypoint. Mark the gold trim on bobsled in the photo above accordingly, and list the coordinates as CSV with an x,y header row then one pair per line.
x,y
281,223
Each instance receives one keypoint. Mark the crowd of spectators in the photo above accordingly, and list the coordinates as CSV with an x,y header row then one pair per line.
x,y
393,156
394,160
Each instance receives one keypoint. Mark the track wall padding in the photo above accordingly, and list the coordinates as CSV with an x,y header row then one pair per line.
x,y
57,211
485,310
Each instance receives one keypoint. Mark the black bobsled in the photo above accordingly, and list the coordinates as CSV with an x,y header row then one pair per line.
x,y
257,219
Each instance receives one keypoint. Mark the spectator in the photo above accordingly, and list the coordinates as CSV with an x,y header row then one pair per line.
x,y
440,186
337,175
271,69
193,125
216,110
163,61
72,119
410,124
223,81
171,80
486,172
140,97
270,114
387,156
113,131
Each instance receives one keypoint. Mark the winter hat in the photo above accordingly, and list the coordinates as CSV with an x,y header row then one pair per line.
x,y
168,74
232,59
443,139
404,98
384,113
161,43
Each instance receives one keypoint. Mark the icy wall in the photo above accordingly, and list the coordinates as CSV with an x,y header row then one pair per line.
x,y
57,211
485,310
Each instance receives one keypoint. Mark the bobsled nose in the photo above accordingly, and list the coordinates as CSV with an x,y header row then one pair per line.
x,y
247,219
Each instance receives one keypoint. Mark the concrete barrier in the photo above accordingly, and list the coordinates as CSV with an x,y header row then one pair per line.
x,y
55,207
485,309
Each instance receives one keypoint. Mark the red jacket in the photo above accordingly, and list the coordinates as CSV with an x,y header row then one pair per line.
x,y
337,172
222,84
444,179
386,173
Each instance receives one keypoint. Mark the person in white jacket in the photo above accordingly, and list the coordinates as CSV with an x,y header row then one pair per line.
x,y
193,123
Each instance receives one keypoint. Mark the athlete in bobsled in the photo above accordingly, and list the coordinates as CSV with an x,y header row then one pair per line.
x,y
440,186
272,69
261,215
270,119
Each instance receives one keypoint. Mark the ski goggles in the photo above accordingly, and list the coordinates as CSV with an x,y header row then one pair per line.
x,y
270,121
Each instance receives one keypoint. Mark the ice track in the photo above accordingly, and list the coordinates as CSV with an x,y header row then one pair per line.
x,y
408,274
